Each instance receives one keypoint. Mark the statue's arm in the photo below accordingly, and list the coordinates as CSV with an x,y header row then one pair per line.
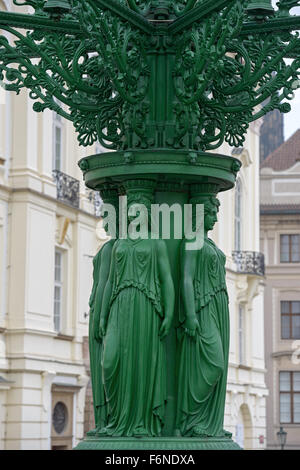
x,y
107,296
188,271
167,288
102,276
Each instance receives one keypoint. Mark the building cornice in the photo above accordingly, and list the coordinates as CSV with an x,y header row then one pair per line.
x,y
44,360
63,337
235,365
249,388
282,353
280,209
60,205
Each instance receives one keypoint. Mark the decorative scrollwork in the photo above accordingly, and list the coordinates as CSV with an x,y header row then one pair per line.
x,y
222,82
110,77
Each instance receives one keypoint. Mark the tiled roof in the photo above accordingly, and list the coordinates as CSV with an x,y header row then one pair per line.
x,y
279,209
286,155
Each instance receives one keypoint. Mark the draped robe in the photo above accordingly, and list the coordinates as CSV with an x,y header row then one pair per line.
x,y
203,360
134,362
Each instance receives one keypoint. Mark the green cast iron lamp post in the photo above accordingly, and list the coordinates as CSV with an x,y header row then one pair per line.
x,y
159,84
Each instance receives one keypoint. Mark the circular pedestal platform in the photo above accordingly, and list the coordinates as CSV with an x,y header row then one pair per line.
x,y
171,170
158,443
175,177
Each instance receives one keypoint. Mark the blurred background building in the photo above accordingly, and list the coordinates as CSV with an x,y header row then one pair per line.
x,y
280,242
237,234
49,232
47,241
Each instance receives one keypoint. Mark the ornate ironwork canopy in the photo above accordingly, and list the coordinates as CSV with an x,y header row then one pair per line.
x,y
136,74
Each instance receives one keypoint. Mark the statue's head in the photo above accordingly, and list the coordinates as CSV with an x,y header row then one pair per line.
x,y
139,206
110,197
140,196
211,208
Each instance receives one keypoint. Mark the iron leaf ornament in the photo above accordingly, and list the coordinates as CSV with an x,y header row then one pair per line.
x,y
153,74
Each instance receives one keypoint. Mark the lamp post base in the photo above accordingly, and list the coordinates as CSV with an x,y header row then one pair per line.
x,y
172,179
158,443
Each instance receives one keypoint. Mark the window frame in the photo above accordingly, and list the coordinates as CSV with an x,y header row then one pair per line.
x,y
289,235
242,352
57,123
58,284
238,220
291,392
291,315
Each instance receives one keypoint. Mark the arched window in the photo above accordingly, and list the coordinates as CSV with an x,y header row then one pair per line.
x,y
238,216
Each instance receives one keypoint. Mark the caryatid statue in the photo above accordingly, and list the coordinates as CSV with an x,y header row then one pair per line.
x,y
203,332
136,315
101,266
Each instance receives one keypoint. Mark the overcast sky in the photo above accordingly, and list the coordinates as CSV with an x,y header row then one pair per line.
x,y
292,119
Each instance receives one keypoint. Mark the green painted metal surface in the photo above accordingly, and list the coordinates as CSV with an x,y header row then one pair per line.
x,y
179,168
161,83
161,443
171,75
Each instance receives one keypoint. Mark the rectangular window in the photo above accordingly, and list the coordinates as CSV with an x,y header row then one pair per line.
x,y
290,319
241,330
57,141
238,216
57,148
289,400
290,248
58,290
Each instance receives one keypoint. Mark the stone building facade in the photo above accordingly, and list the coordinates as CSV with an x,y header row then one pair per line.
x,y
47,242
280,242
237,234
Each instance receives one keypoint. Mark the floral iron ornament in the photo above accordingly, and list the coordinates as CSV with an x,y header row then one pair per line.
x,y
98,65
